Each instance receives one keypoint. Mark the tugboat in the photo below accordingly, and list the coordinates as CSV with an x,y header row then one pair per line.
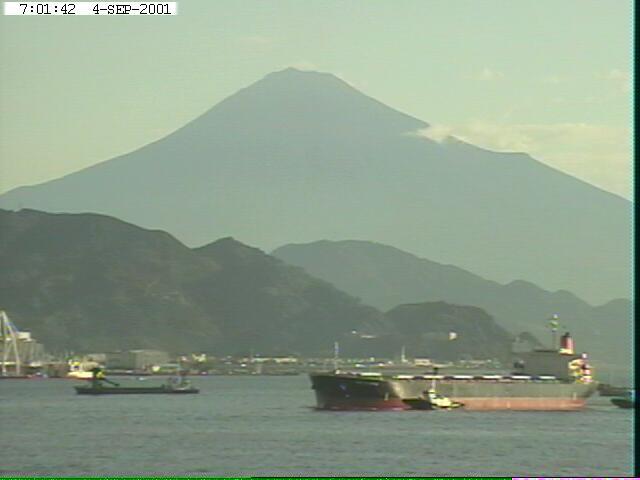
x,y
628,401
432,401
98,387
607,390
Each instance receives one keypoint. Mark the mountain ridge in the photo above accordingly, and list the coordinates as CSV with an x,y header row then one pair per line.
x,y
385,276
90,283
298,156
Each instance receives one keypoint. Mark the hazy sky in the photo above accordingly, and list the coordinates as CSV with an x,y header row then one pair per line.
x,y
548,77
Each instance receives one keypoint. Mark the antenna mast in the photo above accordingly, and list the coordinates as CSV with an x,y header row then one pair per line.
x,y
554,324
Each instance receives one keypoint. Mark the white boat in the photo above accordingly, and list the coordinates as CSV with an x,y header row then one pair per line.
x,y
81,370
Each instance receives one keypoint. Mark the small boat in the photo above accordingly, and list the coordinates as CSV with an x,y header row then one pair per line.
x,y
110,390
173,386
81,369
432,401
607,390
628,401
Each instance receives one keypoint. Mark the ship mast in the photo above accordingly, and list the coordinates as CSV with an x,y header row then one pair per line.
x,y
9,339
554,324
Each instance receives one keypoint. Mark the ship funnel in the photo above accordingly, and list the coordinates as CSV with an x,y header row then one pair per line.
x,y
566,344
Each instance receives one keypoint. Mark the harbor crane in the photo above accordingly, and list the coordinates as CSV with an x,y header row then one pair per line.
x,y
9,341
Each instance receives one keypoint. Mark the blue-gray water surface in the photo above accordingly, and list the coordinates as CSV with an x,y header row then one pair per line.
x,y
243,426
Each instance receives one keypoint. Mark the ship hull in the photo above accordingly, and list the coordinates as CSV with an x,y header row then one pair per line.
x,y
606,390
623,402
521,403
132,390
351,392
330,402
340,393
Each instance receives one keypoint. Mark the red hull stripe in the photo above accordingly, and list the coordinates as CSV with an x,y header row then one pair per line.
x,y
521,403
470,403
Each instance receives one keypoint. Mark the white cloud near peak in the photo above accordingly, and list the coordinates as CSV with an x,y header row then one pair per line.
x,y
598,154
489,75
437,133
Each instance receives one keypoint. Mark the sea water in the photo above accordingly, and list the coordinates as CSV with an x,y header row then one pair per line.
x,y
263,425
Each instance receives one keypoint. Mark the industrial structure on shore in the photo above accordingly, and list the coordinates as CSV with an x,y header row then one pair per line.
x,y
20,354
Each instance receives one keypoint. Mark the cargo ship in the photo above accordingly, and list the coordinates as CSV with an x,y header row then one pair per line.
x,y
554,379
